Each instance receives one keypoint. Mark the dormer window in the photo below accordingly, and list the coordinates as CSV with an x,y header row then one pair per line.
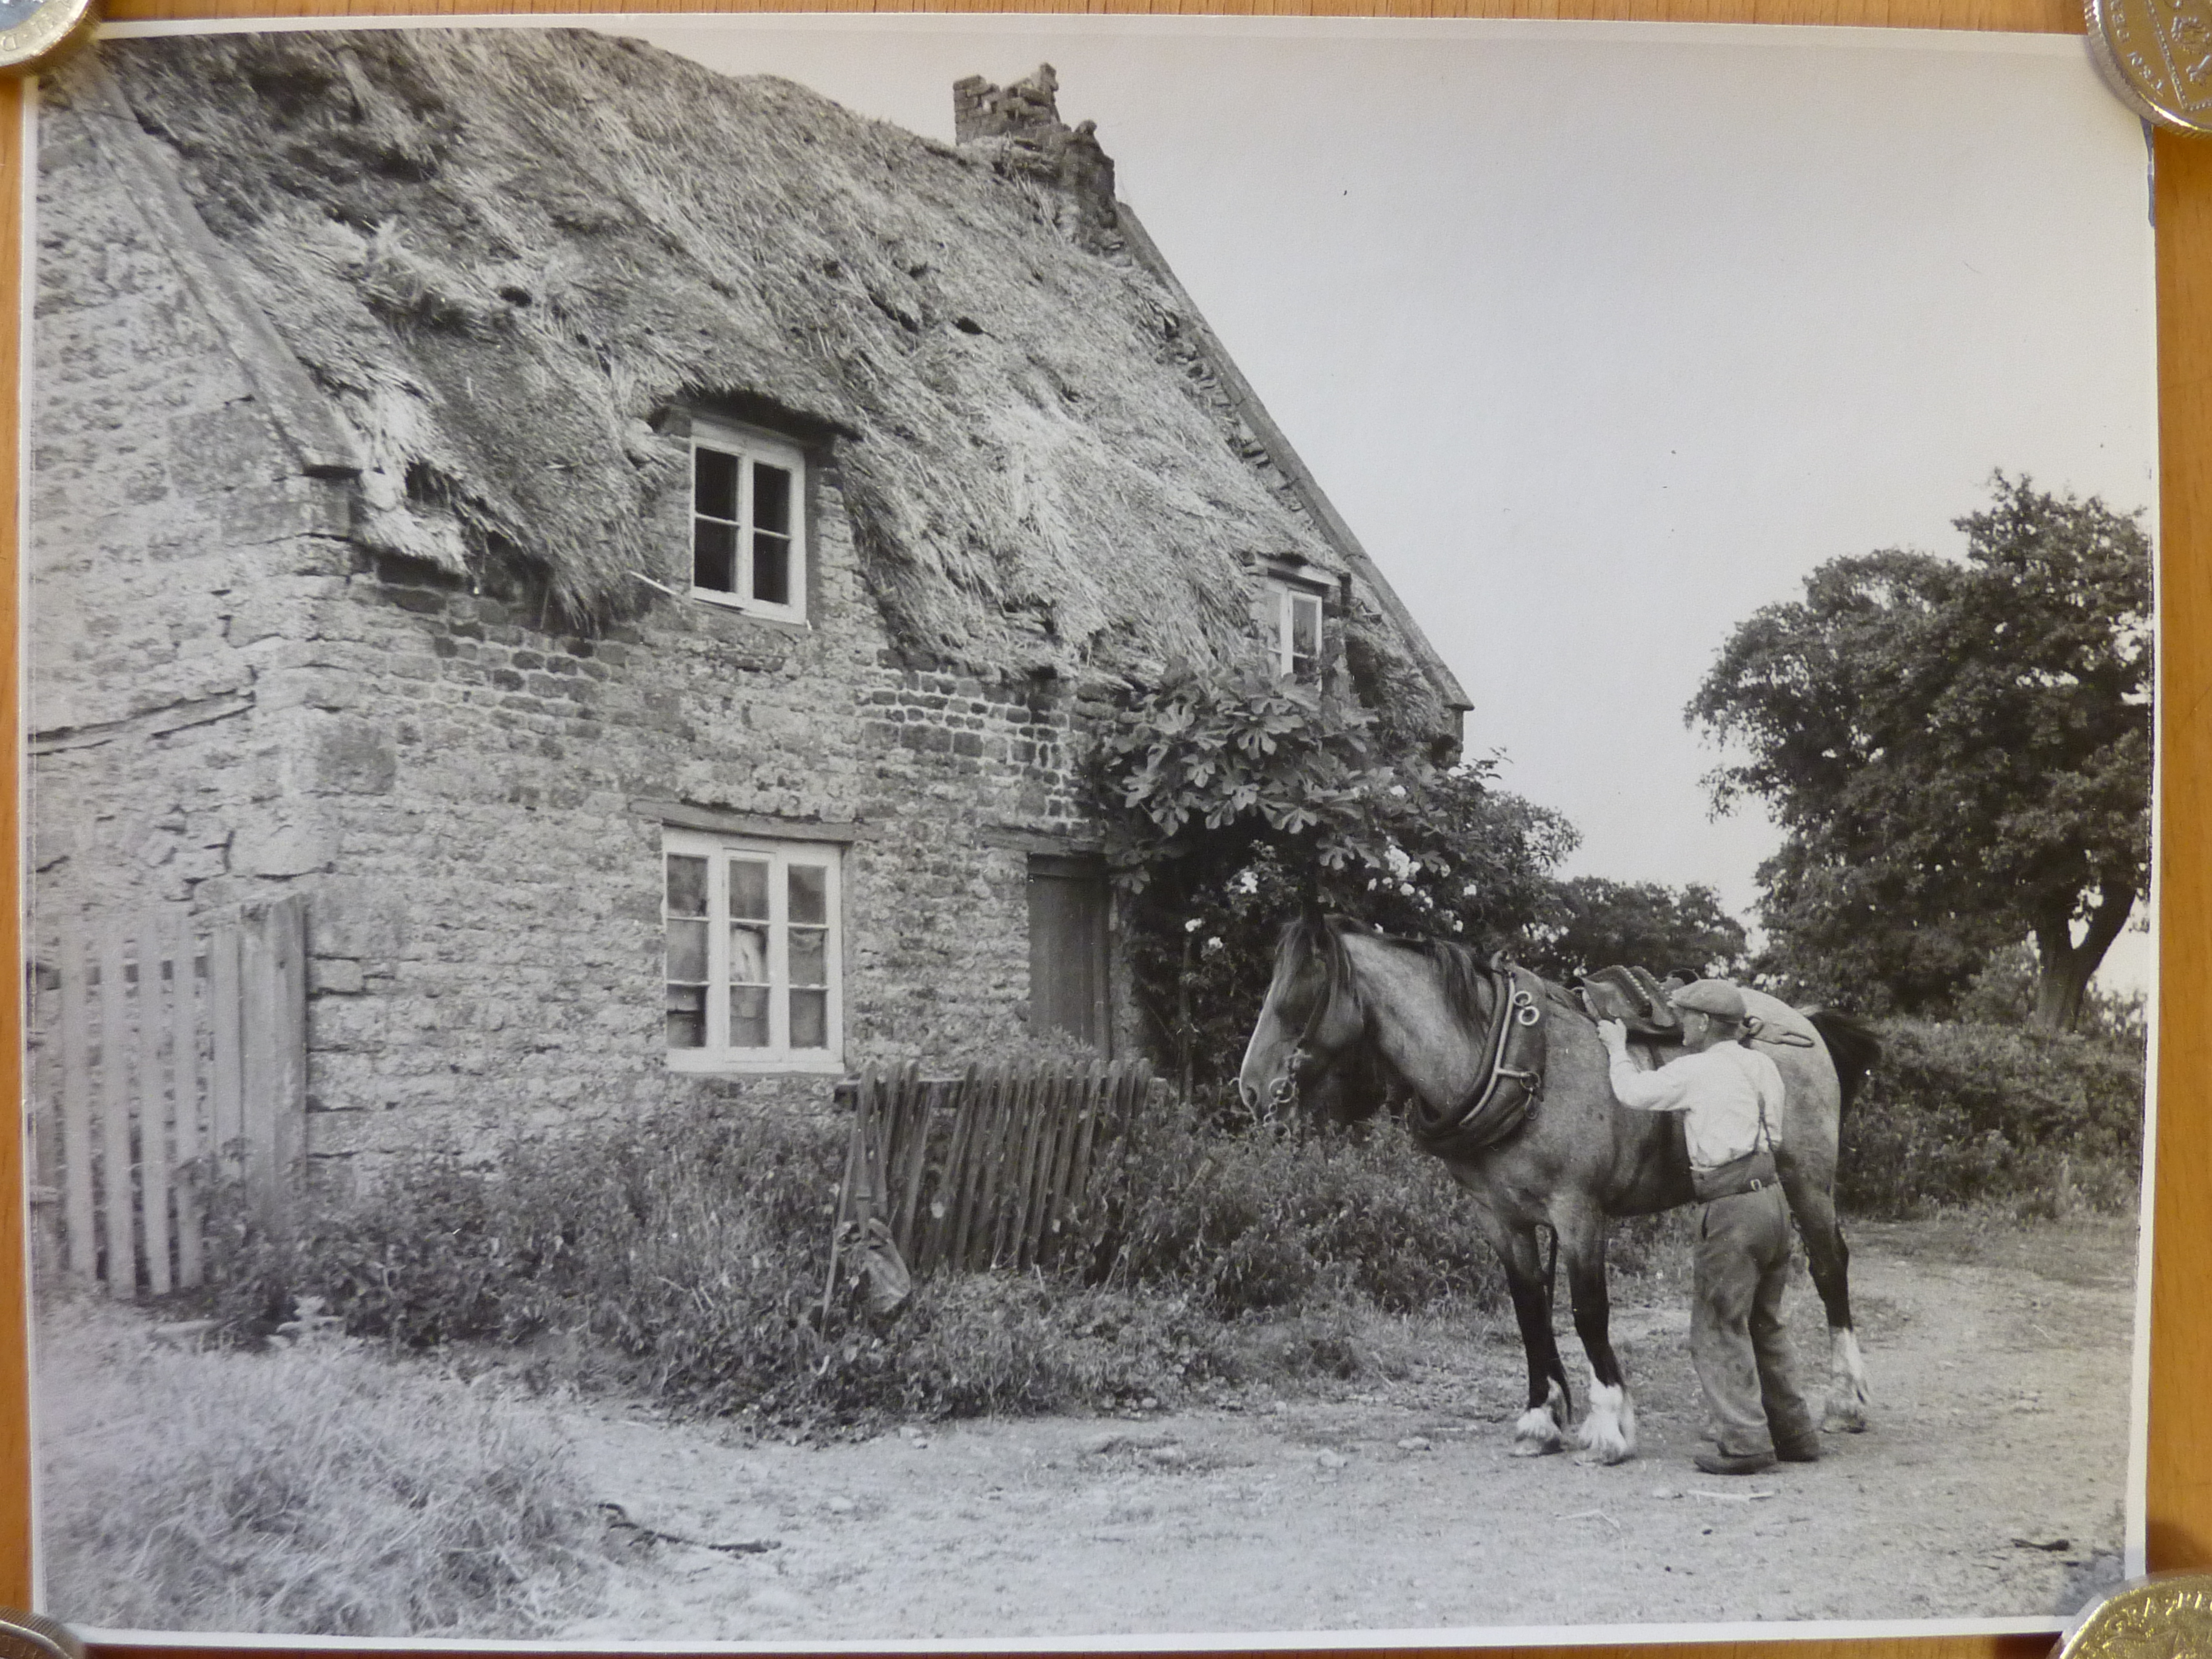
x,y
748,520
1294,625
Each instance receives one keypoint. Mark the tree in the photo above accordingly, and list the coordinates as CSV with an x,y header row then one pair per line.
x,y
1231,801
1600,922
1958,753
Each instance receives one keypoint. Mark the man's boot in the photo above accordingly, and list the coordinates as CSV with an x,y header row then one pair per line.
x,y
1721,1462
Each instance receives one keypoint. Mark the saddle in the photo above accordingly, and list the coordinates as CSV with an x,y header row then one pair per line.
x,y
1636,998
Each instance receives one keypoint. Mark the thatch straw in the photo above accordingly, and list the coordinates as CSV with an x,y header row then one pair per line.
x,y
505,253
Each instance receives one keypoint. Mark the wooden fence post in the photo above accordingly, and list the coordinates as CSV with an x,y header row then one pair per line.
x,y
153,1079
273,995
192,1162
75,1091
122,1256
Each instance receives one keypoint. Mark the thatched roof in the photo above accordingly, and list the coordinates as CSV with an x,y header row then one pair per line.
x,y
504,254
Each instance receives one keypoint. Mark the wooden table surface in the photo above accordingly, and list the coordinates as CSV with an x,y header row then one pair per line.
x,y
2180,1469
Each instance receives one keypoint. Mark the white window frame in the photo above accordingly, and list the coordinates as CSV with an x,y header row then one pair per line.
x,y
1284,595
749,445
718,1054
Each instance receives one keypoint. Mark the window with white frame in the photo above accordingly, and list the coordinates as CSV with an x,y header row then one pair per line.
x,y
748,520
1295,610
755,952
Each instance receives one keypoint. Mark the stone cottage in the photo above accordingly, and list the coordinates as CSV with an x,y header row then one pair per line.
x,y
633,547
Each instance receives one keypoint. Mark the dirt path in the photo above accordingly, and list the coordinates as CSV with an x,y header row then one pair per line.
x,y
2000,1363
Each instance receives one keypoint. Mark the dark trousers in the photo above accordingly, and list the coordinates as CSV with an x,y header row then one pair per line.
x,y
1737,1340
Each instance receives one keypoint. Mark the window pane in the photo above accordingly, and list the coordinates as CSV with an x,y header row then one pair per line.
x,y
772,569
1305,625
771,498
810,893
748,953
749,889
809,955
749,1017
687,1016
687,887
713,555
714,484
810,1019
687,951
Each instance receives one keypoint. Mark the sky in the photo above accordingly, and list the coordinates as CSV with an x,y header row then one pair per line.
x,y
1601,337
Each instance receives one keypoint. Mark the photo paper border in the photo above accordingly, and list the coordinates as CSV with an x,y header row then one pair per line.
x,y
2170,1492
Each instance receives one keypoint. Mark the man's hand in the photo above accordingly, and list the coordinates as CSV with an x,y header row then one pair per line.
x,y
1614,1034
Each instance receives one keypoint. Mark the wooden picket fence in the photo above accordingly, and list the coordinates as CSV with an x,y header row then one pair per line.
x,y
170,1055
992,1169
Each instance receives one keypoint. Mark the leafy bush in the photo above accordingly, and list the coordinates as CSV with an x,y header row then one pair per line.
x,y
686,1255
1272,1219
311,1490
1962,1114
1231,800
690,1249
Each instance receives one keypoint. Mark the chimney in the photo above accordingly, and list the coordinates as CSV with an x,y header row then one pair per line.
x,y
1021,122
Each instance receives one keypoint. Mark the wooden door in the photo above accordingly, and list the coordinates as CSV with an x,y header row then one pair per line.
x,y
1067,949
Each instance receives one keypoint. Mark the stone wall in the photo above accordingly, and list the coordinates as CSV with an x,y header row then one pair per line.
x,y
232,700
175,548
488,956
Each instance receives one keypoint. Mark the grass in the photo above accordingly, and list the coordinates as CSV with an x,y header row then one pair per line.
x,y
319,1489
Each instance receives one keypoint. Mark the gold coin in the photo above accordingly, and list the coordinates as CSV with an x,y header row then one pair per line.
x,y
2158,56
2168,1616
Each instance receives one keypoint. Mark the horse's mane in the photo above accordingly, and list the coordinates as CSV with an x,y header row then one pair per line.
x,y
1461,971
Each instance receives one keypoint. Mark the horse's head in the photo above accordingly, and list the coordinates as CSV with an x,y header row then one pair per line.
x,y
1307,1051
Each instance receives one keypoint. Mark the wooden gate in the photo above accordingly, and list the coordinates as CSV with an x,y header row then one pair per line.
x,y
170,1055
994,1168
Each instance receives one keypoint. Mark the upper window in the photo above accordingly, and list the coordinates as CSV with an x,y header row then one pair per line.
x,y
1295,624
755,952
748,520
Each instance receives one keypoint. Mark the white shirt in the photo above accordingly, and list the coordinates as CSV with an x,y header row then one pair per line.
x,y
1721,1090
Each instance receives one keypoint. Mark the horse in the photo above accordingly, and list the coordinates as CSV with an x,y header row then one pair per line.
x,y
1343,997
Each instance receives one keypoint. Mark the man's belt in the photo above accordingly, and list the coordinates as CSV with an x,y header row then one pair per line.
x,y
1747,1174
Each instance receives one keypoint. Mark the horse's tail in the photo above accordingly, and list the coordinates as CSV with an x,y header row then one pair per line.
x,y
1852,1045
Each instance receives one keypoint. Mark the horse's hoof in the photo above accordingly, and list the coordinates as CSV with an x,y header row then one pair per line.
x,y
1537,1433
1849,1416
1608,1433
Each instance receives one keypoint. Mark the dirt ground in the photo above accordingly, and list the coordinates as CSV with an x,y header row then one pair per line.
x,y
1989,1485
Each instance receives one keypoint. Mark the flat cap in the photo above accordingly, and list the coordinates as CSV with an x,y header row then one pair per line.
x,y
1717,997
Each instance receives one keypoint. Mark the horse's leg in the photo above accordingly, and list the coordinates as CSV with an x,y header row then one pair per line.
x,y
1542,1426
1608,1430
1830,1259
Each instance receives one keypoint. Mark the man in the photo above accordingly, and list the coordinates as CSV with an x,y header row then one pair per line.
x,y
1730,1097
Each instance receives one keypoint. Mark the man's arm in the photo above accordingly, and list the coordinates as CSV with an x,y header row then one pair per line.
x,y
1665,1089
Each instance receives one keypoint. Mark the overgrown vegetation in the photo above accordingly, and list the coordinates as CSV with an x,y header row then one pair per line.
x,y
685,1257
1959,1114
314,1490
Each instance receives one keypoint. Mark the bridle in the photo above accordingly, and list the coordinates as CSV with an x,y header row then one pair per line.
x,y
1513,1045
1284,1093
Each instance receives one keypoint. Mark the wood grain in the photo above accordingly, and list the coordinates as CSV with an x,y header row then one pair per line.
x,y
2039,17
2180,1456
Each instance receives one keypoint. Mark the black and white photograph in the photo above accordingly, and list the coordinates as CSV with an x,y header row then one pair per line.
x,y
1086,831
